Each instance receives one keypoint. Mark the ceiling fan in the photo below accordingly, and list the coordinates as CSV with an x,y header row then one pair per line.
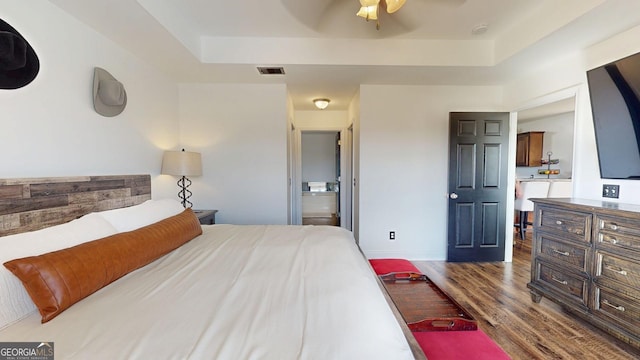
x,y
369,8
336,17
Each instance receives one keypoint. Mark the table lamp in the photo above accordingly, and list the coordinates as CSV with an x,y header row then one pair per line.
x,y
182,163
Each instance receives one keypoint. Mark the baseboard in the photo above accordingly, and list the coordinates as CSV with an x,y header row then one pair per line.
x,y
383,254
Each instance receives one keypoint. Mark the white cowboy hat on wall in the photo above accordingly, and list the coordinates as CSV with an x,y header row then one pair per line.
x,y
109,96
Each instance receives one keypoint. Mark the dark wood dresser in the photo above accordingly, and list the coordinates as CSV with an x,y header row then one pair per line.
x,y
586,257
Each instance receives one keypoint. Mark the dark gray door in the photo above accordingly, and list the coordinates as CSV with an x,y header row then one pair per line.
x,y
478,145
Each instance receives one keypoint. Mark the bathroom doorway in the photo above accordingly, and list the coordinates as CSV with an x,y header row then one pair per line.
x,y
320,176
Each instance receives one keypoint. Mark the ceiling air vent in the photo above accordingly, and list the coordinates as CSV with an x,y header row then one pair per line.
x,y
265,70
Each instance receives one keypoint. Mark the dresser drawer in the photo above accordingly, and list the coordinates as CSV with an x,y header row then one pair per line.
x,y
618,233
562,252
624,311
570,224
573,287
620,273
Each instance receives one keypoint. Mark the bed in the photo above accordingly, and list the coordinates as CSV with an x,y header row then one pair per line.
x,y
142,278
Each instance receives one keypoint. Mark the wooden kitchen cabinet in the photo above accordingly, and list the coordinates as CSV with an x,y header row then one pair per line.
x,y
529,149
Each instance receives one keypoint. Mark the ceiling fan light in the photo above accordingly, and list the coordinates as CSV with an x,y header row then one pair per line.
x,y
394,5
369,12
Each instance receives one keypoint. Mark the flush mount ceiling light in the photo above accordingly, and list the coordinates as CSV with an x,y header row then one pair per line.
x,y
321,103
369,8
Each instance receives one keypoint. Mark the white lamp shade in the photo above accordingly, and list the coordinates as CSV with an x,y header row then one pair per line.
x,y
394,5
181,163
366,3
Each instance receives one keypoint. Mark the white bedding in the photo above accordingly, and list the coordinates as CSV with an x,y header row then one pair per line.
x,y
236,292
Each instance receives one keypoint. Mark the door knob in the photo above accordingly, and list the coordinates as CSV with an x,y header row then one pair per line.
x,y
453,196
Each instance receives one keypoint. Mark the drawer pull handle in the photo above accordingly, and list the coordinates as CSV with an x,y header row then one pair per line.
x,y
621,272
563,282
613,240
558,222
617,307
613,227
565,253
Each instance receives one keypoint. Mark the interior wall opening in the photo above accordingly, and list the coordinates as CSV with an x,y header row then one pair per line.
x,y
556,123
320,177
545,139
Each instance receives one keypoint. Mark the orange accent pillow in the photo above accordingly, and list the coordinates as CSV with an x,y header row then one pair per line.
x,y
59,279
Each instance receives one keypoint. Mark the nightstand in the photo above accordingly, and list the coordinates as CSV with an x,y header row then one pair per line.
x,y
206,217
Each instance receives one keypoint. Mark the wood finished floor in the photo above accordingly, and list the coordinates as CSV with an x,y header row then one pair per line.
x,y
497,296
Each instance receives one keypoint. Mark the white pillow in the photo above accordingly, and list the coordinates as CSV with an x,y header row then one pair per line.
x,y
137,216
15,302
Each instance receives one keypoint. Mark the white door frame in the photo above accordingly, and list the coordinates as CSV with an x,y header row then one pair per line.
x,y
294,204
346,171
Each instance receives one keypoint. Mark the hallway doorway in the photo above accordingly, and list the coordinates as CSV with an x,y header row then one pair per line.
x,y
322,170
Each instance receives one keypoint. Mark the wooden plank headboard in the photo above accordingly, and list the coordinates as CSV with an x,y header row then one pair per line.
x,y
34,203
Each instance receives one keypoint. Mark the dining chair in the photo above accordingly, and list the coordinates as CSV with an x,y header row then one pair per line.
x,y
560,189
529,190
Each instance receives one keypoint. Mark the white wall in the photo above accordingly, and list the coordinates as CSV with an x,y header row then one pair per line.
x,y
320,119
570,72
404,136
49,127
241,131
558,139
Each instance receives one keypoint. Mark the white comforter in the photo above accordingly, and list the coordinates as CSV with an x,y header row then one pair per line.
x,y
236,292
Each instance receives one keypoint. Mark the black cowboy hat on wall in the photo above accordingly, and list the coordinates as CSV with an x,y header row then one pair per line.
x,y
19,63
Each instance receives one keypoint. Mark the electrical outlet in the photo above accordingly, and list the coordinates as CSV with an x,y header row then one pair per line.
x,y
392,235
611,191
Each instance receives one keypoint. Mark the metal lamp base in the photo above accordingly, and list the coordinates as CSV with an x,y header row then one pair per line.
x,y
184,194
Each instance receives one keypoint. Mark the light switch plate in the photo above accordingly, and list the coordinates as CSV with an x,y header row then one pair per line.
x,y
611,191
